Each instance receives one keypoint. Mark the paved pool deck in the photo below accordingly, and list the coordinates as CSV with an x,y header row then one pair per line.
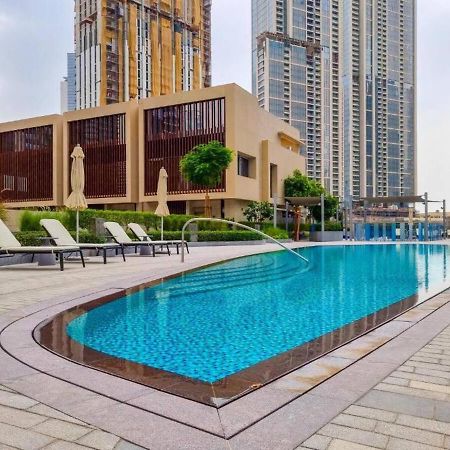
x,y
388,389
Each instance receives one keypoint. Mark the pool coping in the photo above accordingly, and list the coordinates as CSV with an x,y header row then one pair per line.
x,y
216,394
74,389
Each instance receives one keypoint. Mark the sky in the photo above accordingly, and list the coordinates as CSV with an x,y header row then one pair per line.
x,y
36,35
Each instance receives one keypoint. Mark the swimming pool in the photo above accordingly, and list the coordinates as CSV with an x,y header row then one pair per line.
x,y
217,321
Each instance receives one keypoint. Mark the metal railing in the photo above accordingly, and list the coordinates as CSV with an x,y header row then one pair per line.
x,y
230,222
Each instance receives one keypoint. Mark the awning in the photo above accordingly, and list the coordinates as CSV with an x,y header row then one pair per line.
x,y
303,201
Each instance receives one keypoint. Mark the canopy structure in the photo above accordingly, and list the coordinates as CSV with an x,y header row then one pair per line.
x,y
397,199
304,201
405,199
309,201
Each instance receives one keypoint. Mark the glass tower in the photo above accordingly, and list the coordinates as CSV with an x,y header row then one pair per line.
x,y
296,76
343,73
379,97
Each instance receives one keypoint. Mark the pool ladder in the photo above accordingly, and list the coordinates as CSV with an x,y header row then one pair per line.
x,y
230,222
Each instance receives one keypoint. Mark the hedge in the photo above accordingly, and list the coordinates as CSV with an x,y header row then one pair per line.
x,y
210,236
29,220
32,237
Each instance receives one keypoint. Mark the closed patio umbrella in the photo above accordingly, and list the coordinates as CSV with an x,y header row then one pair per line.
x,y
76,199
162,210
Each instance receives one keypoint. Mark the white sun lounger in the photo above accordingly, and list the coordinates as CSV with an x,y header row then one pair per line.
x,y
122,238
62,237
140,233
9,245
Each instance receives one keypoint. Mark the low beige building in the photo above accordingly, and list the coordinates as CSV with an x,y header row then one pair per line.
x,y
126,144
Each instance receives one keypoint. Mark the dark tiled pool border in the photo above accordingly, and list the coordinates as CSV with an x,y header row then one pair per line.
x,y
51,334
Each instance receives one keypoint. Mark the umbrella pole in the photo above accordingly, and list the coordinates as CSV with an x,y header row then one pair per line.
x,y
78,226
162,227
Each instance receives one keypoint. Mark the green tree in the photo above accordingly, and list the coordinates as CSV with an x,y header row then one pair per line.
x,y
299,185
258,212
204,166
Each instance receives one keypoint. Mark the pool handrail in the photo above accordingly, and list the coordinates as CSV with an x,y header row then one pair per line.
x,y
230,222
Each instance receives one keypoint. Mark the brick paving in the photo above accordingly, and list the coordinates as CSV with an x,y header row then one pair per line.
x,y
27,424
408,410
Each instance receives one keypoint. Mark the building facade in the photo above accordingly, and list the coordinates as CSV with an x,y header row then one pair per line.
x,y
129,49
343,73
379,97
68,91
126,144
296,76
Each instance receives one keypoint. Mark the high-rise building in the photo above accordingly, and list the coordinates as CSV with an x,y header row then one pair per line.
x,y
140,48
296,76
343,73
379,97
68,92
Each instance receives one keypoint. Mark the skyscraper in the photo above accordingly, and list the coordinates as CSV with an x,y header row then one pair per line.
x,y
379,97
140,48
68,86
296,76
343,73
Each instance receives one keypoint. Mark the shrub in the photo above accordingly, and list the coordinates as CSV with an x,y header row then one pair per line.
x,y
31,238
29,220
276,233
258,212
226,236
329,226
168,235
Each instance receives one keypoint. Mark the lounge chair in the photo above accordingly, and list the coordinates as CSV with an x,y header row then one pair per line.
x,y
62,237
140,233
9,245
122,238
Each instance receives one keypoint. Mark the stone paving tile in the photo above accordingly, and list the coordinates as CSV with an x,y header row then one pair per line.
x,y
14,400
27,424
361,423
46,411
419,392
400,413
395,416
409,433
371,413
99,440
339,444
363,437
403,444
62,430
23,439
19,417
317,442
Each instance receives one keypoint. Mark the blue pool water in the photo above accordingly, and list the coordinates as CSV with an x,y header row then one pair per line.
x,y
216,321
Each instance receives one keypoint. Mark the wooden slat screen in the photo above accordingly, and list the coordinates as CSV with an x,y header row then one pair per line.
x,y
173,131
103,141
26,164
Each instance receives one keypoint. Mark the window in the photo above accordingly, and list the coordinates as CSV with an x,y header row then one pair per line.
x,y
273,181
243,166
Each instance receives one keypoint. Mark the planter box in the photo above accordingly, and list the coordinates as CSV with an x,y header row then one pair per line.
x,y
326,236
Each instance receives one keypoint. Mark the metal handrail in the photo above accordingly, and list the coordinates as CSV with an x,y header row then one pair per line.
x,y
230,222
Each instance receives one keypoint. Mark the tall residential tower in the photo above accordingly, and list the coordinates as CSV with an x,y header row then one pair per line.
x,y
140,48
296,76
343,73
378,67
